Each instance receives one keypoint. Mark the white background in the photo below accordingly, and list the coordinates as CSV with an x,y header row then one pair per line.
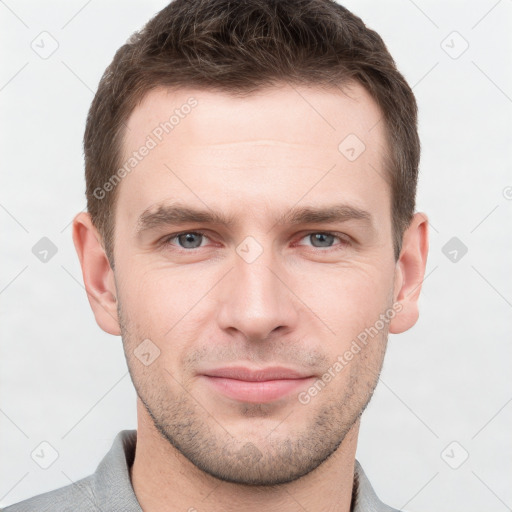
x,y
65,381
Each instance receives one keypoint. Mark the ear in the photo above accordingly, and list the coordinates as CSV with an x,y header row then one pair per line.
x,y
97,274
409,273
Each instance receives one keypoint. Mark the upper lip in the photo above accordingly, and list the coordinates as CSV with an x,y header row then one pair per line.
x,y
256,374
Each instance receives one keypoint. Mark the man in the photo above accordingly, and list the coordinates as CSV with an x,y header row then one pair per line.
x,y
251,234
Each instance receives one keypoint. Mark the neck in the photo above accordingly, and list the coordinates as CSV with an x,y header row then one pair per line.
x,y
164,480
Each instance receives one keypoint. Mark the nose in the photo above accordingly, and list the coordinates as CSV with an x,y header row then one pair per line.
x,y
255,298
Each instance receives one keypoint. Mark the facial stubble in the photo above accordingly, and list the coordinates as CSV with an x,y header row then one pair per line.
x,y
273,456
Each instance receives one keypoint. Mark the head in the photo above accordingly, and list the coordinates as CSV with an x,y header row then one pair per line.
x,y
251,172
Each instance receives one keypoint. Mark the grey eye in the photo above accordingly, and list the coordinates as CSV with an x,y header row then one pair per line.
x,y
321,239
186,240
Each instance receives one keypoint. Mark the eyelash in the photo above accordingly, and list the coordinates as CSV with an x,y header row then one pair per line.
x,y
340,236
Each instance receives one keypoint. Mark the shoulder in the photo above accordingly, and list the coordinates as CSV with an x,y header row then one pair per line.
x,y
70,498
364,498
107,489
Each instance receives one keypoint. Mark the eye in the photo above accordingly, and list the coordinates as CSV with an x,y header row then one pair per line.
x,y
324,240
186,240
189,240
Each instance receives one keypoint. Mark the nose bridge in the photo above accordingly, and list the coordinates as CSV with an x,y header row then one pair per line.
x,y
255,300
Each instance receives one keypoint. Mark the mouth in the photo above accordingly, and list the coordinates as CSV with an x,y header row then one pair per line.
x,y
256,385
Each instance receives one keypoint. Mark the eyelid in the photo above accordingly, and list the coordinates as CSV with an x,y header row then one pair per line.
x,y
344,239
167,238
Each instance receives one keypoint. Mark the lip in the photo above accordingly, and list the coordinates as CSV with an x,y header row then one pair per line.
x,y
256,385
256,374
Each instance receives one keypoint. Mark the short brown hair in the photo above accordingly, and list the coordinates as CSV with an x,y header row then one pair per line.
x,y
240,47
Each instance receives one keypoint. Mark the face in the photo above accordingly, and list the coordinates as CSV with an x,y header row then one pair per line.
x,y
288,262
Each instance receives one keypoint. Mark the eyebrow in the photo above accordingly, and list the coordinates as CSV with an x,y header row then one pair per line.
x,y
169,215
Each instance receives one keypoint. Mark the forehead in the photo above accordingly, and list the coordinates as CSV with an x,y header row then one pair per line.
x,y
287,113
276,141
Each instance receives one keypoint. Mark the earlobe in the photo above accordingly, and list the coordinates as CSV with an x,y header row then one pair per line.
x,y
97,274
410,272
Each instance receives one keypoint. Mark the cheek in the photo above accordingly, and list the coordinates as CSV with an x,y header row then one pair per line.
x,y
164,302
147,302
347,299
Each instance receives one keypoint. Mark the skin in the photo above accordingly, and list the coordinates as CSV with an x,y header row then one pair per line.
x,y
300,304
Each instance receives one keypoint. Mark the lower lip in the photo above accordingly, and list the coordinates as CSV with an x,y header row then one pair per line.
x,y
257,392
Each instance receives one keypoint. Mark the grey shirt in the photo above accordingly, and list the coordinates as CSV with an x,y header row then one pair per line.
x,y
109,488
